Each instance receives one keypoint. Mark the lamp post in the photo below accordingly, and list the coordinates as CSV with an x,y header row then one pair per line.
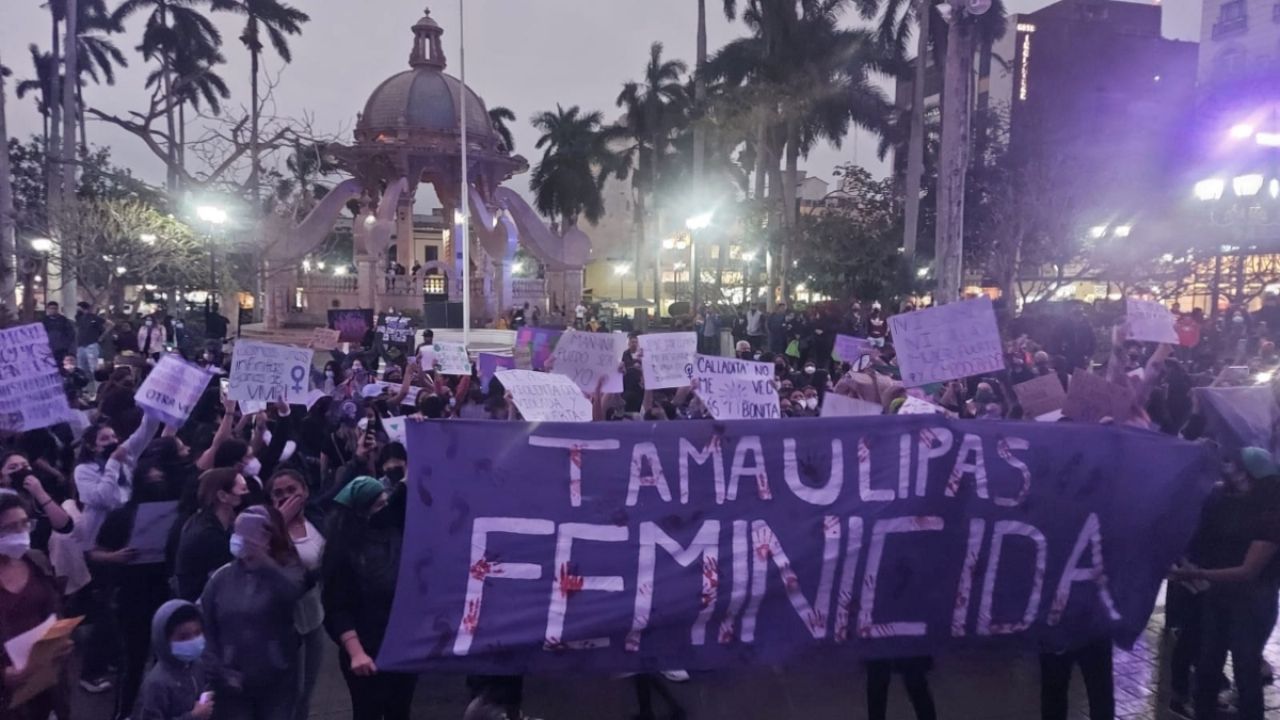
x,y
42,246
694,224
620,271
216,217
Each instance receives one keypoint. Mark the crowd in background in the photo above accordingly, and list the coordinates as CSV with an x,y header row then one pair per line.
x,y
285,551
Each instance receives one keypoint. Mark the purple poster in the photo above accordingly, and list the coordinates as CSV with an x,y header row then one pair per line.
x,y
351,324
488,363
613,547
541,342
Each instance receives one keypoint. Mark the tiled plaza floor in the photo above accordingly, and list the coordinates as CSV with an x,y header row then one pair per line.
x,y
964,689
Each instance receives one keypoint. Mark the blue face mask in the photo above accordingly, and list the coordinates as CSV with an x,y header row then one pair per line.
x,y
237,546
187,651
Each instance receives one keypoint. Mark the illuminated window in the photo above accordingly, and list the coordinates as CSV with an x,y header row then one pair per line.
x,y
1026,28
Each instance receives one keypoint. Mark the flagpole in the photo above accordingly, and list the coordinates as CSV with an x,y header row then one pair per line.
x,y
465,224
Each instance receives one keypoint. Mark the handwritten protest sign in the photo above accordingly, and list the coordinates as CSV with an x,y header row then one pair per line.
x,y
849,348
735,389
172,389
265,372
325,339
836,405
394,426
667,359
947,342
352,324
488,363
1040,396
451,357
587,357
622,547
544,397
534,346
151,525
1150,321
1091,398
31,393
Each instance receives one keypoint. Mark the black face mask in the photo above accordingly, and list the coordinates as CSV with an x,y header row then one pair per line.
x,y
382,519
110,448
395,474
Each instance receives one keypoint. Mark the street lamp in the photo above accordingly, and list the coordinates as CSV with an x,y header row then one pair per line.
x,y
42,245
211,214
215,216
620,271
1238,203
701,221
147,238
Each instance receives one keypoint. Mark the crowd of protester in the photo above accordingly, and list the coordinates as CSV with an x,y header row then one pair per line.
x,y
285,552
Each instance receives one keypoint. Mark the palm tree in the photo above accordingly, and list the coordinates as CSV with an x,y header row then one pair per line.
x,y
500,116
195,83
576,160
173,28
650,108
98,56
278,20
8,240
42,83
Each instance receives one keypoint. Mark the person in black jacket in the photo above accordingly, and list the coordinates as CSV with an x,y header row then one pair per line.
x,y
204,544
60,329
359,570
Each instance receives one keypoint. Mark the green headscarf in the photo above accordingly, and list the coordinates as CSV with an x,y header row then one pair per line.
x,y
360,493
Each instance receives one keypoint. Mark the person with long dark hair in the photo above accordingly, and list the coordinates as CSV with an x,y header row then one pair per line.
x,y
361,564
104,472
202,546
16,474
248,605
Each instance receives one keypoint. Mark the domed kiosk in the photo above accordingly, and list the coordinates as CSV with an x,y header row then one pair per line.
x,y
409,134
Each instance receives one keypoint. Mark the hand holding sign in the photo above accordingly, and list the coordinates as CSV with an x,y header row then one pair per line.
x,y
667,359
263,372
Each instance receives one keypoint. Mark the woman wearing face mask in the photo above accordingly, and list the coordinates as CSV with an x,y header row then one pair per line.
x,y
49,516
202,546
393,461
151,337
104,473
139,580
248,605
289,494
360,567
28,596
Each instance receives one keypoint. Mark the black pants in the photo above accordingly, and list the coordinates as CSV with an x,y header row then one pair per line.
x,y
103,646
915,676
1238,620
1186,648
135,606
504,691
381,696
1094,660
646,687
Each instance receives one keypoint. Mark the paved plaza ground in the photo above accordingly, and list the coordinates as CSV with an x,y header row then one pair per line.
x,y
964,688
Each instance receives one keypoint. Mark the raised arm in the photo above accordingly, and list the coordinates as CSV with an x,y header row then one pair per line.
x,y
224,433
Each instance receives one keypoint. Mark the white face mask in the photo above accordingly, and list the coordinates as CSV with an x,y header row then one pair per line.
x,y
811,403
15,545
809,370
253,467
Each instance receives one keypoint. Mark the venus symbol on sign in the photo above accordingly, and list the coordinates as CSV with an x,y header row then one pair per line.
x,y
298,374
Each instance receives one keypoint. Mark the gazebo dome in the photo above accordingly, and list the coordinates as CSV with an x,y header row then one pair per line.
x,y
424,98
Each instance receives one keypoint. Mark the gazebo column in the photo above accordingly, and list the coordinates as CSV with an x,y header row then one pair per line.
x,y
366,272
404,231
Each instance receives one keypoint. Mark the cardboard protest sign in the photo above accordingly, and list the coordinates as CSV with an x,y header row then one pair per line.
x,y
45,658
395,428
622,547
172,389
849,349
264,372
947,342
734,389
397,331
1150,321
488,363
544,397
452,358
31,392
1040,396
1091,398
534,346
151,525
325,339
587,357
836,405
351,324
667,359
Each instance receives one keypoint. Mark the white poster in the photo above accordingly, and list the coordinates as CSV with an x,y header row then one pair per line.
x,y
667,359
916,406
586,357
736,389
264,372
452,358
31,391
544,397
947,342
172,389
836,405
1149,321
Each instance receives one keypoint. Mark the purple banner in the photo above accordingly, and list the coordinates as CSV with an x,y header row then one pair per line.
x,y
488,363
608,547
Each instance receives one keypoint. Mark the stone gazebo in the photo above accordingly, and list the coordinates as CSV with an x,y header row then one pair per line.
x,y
408,135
